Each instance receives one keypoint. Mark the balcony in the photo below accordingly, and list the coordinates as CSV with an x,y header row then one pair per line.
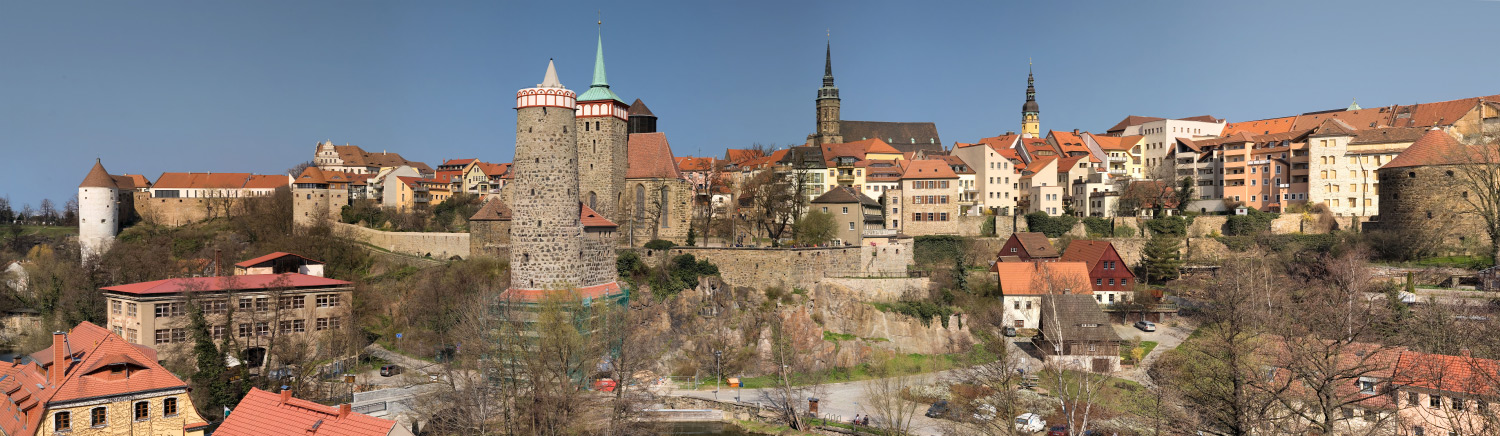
x,y
1284,185
1120,159
845,179
1259,162
879,233
1117,172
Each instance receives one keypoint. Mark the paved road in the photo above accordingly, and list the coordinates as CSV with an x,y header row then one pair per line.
x,y
1166,338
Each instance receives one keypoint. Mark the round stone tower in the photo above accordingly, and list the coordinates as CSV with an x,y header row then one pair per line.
x,y
602,131
98,212
545,231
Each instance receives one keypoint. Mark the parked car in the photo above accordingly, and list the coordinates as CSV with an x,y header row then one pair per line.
x,y
1061,430
390,370
938,409
1010,332
1145,326
1030,423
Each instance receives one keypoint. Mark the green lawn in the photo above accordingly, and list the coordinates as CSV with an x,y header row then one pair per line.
x,y
48,231
1146,347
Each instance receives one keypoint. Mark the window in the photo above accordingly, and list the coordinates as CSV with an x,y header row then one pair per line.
x,y
1366,385
218,331
129,309
1435,401
214,306
262,328
846,210
142,411
942,216
1028,305
115,307
169,407
1111,282
62,421
1411,398
296,302
851,225
247,304
328,300
1417,431
98,417
244,330
1124,282
169,309
1018,305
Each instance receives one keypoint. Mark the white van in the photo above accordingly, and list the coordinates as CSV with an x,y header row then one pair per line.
x,y
1030,423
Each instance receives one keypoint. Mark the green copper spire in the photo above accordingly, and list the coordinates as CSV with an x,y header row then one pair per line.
x,y
599,90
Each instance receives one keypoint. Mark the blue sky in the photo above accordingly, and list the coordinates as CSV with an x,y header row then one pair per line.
x,y
252,86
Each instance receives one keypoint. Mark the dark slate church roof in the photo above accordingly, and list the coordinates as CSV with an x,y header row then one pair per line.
x,y
907,137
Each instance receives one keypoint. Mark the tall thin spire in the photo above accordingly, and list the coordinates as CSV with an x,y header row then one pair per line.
x,y
828,65
599,90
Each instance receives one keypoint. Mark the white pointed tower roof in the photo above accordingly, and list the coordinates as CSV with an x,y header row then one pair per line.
x,y
548,93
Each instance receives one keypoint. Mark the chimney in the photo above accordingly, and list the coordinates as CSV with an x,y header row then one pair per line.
x,y
218,261
286,395
1008,133
344,409
59,357
1075,131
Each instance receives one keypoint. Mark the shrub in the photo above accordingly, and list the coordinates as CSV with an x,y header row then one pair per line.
x,y
936,249
1168,226
1253,222
659,244
1237,243
1097,227
1124,231
988,228
1052,226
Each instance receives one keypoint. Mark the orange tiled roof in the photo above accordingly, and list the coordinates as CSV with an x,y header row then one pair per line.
x,y
738,155
1260,127
132,181
1132,120
589,218
312,175
1088,252
263,413
689,163
928,169
1034,278
492,210
649,156
352,155
1464,373
1434,148
458,162
98,178
218,181
448,176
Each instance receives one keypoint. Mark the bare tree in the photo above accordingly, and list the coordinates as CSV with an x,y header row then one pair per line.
x,y
883,398
1474,182
798,375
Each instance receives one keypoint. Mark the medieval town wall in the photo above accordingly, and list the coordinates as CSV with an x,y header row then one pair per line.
x,y
438,245
795,267
489,238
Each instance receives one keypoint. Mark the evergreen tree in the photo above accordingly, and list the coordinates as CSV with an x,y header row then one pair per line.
x,y
210,378
960,274
1162,258
692,239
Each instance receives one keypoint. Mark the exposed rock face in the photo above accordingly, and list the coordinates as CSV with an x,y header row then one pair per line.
x,y
739,321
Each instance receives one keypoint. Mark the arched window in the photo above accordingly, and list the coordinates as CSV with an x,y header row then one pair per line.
x,y
98,417
640,202
664,208
593,199
62,421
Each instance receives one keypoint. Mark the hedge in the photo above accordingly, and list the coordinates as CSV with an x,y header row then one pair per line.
x,y
1052,226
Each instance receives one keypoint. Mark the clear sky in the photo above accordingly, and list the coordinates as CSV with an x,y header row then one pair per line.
x,y
251,86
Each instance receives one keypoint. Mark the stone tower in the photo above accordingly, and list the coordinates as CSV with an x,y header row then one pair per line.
x,y
828,105
98,212
1031,126
602,130
546,235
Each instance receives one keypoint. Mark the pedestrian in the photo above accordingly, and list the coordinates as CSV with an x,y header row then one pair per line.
x,y
856,419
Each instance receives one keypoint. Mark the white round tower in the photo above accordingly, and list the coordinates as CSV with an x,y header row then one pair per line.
x,y
98,214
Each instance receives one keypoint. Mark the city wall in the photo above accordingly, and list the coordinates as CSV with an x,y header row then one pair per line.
x,y
437,245
795,267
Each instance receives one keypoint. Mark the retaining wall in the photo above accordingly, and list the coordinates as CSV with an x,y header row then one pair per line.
x,y
439,245
796,267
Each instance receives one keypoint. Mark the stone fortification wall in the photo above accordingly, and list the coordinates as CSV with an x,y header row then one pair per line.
x,y
489,238
438,245
882,289
796,267
968,225
174,211
545,232
1205,225
597,265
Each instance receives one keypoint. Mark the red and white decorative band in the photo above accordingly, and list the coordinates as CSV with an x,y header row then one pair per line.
x,y
603,109
555,97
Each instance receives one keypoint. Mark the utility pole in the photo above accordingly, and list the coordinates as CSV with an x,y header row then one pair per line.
x,y
717,354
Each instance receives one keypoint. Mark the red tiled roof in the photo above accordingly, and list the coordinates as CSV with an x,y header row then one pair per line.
x,y
1465,374
312,175
1069,163
1433,148
589,218
689,163
123,182
263,413
458,162
1036,244
213,284
1261,127
1033,278
492,210
354,156
649,156
1118,143
1040,162
493,169
273,256
1088,252
448,176
737,156
136,179
218,181
928,169
535,295
98,177
1068,141
27,388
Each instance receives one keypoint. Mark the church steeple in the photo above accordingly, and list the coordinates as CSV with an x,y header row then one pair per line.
x,y
827,105
599,90
1030,111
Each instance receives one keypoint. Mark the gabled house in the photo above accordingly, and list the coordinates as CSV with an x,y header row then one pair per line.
x,y
1111,278
1027,247
1022,285
855,215
93,382
1075,333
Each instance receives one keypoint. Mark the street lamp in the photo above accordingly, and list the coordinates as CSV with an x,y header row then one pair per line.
x,y
717,354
